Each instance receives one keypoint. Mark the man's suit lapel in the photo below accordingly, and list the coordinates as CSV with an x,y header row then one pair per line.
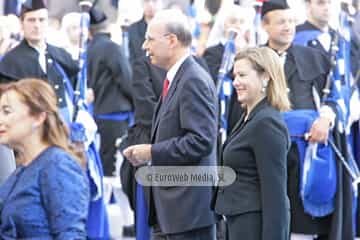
x,y
162,105
155,121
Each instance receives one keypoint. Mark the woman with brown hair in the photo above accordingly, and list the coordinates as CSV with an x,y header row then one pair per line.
x,y
47,196
256,205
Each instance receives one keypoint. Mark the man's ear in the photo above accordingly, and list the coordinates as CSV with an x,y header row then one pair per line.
x,y
173,40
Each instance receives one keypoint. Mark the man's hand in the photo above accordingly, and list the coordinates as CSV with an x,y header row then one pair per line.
x,y
319,131
138,154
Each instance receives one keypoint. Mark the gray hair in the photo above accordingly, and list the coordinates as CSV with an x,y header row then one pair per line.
x,y
175,22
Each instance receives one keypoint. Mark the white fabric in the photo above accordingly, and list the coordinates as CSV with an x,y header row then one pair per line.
x,y
295,236
174,69
88,122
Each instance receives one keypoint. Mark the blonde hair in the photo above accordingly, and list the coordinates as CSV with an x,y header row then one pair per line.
x,y
265,60
40,97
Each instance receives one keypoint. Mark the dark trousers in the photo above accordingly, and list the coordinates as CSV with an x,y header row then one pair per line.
x,y
205,233
249,226
109,131
245,226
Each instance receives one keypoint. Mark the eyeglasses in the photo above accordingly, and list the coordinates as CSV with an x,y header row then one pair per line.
x,y
150,39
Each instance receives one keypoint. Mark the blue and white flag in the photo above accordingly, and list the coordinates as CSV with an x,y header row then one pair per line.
x,y
224,85
97,223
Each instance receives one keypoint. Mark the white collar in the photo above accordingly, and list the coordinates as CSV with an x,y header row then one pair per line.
x,y
40,49
174,69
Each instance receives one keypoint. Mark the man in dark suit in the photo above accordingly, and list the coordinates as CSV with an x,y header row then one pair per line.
x,y
183,133
109,75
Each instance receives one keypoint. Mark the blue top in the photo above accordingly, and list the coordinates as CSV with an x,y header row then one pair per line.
x,y
48,199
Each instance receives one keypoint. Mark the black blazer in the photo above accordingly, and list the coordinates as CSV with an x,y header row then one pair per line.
x,y
109,74
23,62
184,133
256,150
137,37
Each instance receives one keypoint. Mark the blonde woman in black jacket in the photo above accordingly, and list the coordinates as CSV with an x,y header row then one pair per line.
x,y
256,205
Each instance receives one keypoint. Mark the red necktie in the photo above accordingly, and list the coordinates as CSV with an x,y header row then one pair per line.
x,y
165,88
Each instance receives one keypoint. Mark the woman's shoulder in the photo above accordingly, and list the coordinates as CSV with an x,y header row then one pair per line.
x,y
269,113
269,119
55,157
59,166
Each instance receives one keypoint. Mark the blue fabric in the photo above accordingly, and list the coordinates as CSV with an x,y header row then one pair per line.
x,y
97,224
68,86
125,44
48,199
316,171
227,63
12,7
142,226
302,38
81,86
119,116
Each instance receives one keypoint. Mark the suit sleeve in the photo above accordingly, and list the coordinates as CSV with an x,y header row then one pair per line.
x,y
198,119
270,147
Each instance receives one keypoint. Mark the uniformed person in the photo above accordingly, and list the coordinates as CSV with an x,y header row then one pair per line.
x,y
306,71
34,58
109,75
316,31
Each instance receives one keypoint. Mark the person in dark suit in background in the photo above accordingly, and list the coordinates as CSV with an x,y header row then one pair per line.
x,y
256,205
109,75
183,133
